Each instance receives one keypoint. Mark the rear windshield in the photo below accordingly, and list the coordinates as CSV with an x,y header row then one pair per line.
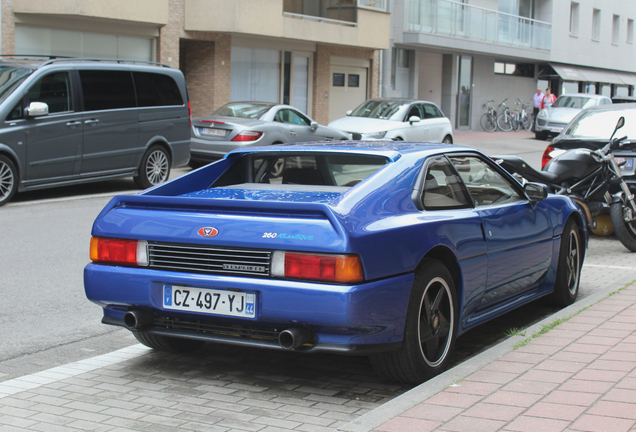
x,y
10,79
304,170
243,110
600,125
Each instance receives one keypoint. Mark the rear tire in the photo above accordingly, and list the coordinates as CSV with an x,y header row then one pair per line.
x,y
488,122
568,276
154,168
8,180
447,139
625,232
166,343
430,330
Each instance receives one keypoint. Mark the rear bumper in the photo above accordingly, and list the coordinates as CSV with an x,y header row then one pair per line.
x,y
358,319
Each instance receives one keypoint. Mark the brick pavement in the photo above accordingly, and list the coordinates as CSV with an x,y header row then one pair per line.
x,y
579,376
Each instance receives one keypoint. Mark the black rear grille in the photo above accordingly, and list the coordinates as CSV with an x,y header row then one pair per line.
x,y
215,329
206,259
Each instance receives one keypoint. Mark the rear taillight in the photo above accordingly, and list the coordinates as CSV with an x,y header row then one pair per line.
x,y
546,156
248,136
119,251
319,267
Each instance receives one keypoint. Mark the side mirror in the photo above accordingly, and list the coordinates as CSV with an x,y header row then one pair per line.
x,y
619,124
414,119
349,112
535,191
313,126
37,109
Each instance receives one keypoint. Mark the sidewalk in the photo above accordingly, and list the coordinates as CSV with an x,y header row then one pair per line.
x,y
580,375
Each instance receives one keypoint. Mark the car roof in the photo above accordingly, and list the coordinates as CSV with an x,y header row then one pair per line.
x,y
392,150
399,100
613,107
37,61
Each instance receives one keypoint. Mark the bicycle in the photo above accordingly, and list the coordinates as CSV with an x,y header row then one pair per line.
x,y
488,120
505,120
525,117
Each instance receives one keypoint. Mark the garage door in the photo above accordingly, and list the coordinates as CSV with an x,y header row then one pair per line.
x,y
348,89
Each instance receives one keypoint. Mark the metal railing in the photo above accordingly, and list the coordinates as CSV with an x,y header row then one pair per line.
x,y
460,20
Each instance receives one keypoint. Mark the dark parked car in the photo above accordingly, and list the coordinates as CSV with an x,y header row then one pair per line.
x,y
385,249
592,129
69,121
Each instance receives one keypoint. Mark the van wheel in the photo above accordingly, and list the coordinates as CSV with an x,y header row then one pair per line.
x,y
8,180
154,168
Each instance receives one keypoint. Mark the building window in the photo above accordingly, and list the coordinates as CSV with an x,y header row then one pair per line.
x,y
255,75
354,80
574,19
616,25
630,31
525,70
596,25
338,80
373,4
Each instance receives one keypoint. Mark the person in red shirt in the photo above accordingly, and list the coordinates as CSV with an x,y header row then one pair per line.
x,y
548,99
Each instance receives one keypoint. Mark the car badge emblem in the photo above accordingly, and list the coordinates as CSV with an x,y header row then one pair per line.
x,y
207,232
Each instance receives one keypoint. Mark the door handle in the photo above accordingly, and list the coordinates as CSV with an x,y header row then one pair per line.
x,y
73,124
293,133
91,122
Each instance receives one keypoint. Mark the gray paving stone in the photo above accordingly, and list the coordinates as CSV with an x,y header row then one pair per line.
x,y
14,421
318,421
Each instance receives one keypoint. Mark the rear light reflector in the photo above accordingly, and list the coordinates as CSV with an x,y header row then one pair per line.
x,y
119,251
319,267
546,156
248,136
212,121
190,114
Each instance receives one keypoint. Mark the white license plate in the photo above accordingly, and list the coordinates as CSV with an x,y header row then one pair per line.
x,y
212,301
556,129
212,132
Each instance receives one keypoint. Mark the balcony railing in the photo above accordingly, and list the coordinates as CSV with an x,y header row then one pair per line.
x,y
334,10
460,20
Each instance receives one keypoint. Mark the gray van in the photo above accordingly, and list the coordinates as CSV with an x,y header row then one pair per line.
x,y
69,121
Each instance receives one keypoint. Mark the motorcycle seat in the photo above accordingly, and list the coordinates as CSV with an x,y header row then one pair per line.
x,y
514,164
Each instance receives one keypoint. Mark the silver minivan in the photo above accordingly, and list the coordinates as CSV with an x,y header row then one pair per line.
x,y
69,121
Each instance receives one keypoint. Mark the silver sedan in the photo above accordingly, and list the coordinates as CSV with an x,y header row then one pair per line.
x,y
244,124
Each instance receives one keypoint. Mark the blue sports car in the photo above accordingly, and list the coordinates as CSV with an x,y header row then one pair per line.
x,y
386,249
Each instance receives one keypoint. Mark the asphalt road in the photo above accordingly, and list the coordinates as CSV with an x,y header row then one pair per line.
x,y
45,319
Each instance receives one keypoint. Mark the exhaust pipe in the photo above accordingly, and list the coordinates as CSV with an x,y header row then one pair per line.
x,y
134,319
294,337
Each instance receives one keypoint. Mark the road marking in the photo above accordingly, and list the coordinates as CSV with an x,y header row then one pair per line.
x,y
28,382
609,266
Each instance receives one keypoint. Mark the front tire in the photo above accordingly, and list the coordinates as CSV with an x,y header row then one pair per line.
x,y
167,343
447,139
154,168
430,330
505,124
8,180
625,231
568,276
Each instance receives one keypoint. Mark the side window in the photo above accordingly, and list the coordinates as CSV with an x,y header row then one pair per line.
x,y
485,185
155,89
54,90
415,110
16,113
107,89
291,117
443,189
431,111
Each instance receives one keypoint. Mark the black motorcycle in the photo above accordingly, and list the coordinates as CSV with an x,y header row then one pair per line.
x,y
592,178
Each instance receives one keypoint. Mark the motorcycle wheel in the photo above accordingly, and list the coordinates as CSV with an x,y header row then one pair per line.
x,y
625,231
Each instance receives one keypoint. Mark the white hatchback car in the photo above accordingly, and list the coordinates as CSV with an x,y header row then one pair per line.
x,y
397,119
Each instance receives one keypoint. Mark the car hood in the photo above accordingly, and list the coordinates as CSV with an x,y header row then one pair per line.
x,y
563,115
364,124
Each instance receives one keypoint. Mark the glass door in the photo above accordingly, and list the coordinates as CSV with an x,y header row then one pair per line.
x,y
464,86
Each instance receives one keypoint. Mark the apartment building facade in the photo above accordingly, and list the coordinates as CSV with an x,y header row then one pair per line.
x,y
462,53
321,56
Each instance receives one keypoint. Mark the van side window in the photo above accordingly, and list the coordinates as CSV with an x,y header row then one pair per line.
x,y
156,90
107,89
16,112
54,90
